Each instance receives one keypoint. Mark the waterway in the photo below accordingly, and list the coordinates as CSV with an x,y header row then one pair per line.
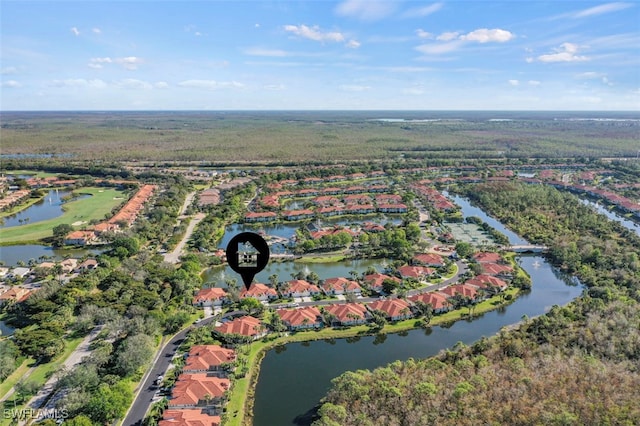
x,y
295,377
5,330
49,207
629,224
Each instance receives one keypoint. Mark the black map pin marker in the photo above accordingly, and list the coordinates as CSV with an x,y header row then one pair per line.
x,y
247,254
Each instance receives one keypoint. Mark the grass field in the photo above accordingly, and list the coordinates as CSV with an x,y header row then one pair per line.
x,y
101,202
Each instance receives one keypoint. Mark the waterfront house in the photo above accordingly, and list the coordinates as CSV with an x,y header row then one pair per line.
x,y
213,296
259,291
301,318
297,214
79,238
394,309
15,294
438,301
487,257
487,282
246,326
463,290
496,269
198,390
260,216
208,358
341,285
191,417
374,281
347,314
300,288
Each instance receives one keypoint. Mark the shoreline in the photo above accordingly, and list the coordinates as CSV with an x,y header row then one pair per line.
x,y
240,405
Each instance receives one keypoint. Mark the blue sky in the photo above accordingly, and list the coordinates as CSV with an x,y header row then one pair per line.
x,y
352,54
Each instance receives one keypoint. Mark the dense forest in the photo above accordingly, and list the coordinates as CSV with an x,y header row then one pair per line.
x,y
578,364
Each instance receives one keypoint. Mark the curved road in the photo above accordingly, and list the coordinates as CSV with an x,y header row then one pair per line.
x,y
147,389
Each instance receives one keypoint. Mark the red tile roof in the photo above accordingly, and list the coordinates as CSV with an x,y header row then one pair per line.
x,y
190,389
461,289
258,290
245,326
193,417
415,271
299,317
392,307
343,311
436,300
495,269
300,286
375,280
487,257
429,259
213,293
340,284
204,357
484,280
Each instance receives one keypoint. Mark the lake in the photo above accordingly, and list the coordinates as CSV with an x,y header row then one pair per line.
x,y
49,207
294,378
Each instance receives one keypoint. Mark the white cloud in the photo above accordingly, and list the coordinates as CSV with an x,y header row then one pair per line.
x,y
534,83
602,9
97,63
274,53
423,34
129,62
589,75
161,85
314,33
366,10
353,44
13,84
448,36
75,31
514,82
415,90
80,82
210,84
96,30
132,83
484,35
567,52
420,12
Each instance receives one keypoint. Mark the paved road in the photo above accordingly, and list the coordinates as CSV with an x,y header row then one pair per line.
x,y
174,256
147,389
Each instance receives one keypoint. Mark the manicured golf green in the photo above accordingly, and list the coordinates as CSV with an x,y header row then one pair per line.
x,y
101,202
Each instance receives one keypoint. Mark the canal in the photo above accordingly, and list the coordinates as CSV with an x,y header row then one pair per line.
x,y
295,377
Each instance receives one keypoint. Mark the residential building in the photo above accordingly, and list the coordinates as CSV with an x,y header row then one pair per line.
x,y
394,309
347,313
192,417
259,291
301,318
198,390
207,358
300,288
213,296
340,285
244,326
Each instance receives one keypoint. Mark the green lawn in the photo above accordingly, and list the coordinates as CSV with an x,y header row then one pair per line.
x,y
101,202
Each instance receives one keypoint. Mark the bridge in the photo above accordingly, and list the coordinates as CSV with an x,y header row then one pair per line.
x,y
531,248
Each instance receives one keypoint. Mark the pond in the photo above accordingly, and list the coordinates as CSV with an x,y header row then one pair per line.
x,y
284,270
5,330
49,207
11,255
293,378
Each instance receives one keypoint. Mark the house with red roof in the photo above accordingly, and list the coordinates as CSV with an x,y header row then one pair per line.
x,y
438,301
463,290
260,216
192,417
246,326
340,285
487,257
301,318
208,358
392,208
198,390
297,214
487,282
347,313
259,291
79,238
496,269
213,296
15,294
300,288
429,259
394,309
417,272
374,281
